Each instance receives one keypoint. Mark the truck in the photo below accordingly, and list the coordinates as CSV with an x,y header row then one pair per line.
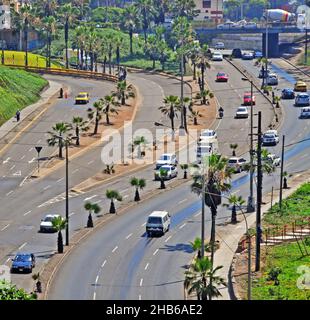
x,y
279,16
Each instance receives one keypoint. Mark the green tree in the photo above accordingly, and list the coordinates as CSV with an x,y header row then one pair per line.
x,y
60,132
233,147
139,142
184,167
26,14
96,113
163,173
145,10
79,125
91,208
59,224
131,22
49,23
9,291
124,91
113,195
138,184
184,8
170,109
237,202
109,106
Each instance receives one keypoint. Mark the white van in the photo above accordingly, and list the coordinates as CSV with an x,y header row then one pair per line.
x,y
158,222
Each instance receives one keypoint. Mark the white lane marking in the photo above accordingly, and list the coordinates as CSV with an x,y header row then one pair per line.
x,y
198,214
155,252
27,212
22,246
182,226
60,179
89,198
236,191
21,184
5,227
103,264
30,149
142,225
122,191
39,141
71,214
168,238
147,265
76,170
128,236
114,249
182,201
17,173
97,278
32,160
94,297
9,192
22,157
13,167
90,162
140,297
47,187
141,282
7,160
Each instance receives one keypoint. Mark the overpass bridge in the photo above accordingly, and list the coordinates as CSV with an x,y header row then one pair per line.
x,y
273,35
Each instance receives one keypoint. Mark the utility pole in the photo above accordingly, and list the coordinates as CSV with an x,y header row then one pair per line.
x,y
281,174
266,51
203,186
182,83
259,192
67,193
306,46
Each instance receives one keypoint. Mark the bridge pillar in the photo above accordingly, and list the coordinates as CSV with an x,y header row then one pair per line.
x,y
273,44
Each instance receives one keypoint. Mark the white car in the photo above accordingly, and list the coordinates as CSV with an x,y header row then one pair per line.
x,y
242,112
219,45
272,79
305,113
270,138
46,224
172,172
168,159
272,158
158,222
226,25
208,133
217,56
302,99
250,25
203,151
236,163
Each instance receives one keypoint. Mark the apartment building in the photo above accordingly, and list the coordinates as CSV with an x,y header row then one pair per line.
x,y
210,10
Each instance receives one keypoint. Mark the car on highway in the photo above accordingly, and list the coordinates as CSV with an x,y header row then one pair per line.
x,y
242,112
236,53
272,79
302,99
172,172
258,54
168,159
219,45
300,86
208,133
23,262
305,113
247,99
46,224
263,73
221,77
217,56
287,94
226,25
270,138
82,97
236,163
158,222
250,25
247,56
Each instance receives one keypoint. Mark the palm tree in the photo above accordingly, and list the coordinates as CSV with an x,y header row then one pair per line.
x,y
184,167
202,96
196,246
131,22
139,141
79,125
109,103
113,195
118,43
163,173
108,43
124,92
91,208
145,10
26,15
233,147
138,184
285,176
236,202
277,101
202,279
68,14
171,107
60,129
59,224
203,64
194,115
49,24
96,114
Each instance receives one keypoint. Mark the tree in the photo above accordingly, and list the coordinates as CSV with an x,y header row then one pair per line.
x,y
79,125
139,141
9,291
203,95
202,279
91,208
194,115
113,195
203,64
151,49
26,14
170,109
184,8
145,10
96,114
236,202
138,184
233,147
184,167
49,24
59,133
196,246
131,22
124,91
59,224
163,173
109,103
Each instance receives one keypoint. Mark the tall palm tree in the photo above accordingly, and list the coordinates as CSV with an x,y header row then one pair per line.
x,y
68,14
109,45
202,279
59,224
196,246
124,91
113,195
79,125
118,44
91,208
233,147
26,14
171,107
109,106
130,23
60,131
203,64
138,184
50,25
145,10
96,114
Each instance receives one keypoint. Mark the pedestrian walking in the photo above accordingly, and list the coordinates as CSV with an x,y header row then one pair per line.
x,y
17,115
61,93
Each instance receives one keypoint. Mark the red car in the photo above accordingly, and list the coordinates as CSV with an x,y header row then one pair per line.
x,y
221,77
247,99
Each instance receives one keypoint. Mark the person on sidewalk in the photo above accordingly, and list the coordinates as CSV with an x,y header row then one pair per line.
x,y
61,93
17,115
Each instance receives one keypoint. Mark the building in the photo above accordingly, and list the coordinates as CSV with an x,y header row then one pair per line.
x,y
210,10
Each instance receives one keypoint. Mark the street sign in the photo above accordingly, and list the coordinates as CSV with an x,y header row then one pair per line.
x,y
38,149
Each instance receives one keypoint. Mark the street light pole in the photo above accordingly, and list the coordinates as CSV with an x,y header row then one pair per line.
x,y
203,187
281,174
67,194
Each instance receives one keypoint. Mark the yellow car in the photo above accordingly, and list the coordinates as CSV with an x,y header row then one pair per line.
x,y
300,86
82,97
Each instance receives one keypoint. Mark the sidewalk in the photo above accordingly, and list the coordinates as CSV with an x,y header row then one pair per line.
x,y
52,88
230,234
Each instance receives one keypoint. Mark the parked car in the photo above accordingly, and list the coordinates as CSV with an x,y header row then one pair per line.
x,y
242,112
23,262
236,163
166,158
302,99
270,138
247,100
46,224
217,56
219,45
158,222
82,97
208,133
263,74
247,56
258,54
272,79
305,113
287,94
172,172
236,53
221,77
300,86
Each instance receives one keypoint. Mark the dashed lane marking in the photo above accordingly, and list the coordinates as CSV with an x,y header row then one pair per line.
x,y
155,252
141,282
9,192
114,249
103,264
27,212
168,238
128,236
5,227
182,226
22,246
147,265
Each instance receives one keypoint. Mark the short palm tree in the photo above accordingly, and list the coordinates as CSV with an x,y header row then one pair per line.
x,y
194,115
139,142
91,208
277,101
285,176
96,114
113,195
58,135
138,184
203,95
184,167
163,173
59,224
79,125
233,147
109,106
202,279
237,202
124,92
196,246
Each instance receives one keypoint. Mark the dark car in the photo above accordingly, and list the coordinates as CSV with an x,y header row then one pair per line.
x,y
237,53
247,56
288,94
23,262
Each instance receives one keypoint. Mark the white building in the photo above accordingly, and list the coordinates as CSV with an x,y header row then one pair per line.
x,y
210,10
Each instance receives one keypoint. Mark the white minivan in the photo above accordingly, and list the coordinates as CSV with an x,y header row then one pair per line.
x,y
158,222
